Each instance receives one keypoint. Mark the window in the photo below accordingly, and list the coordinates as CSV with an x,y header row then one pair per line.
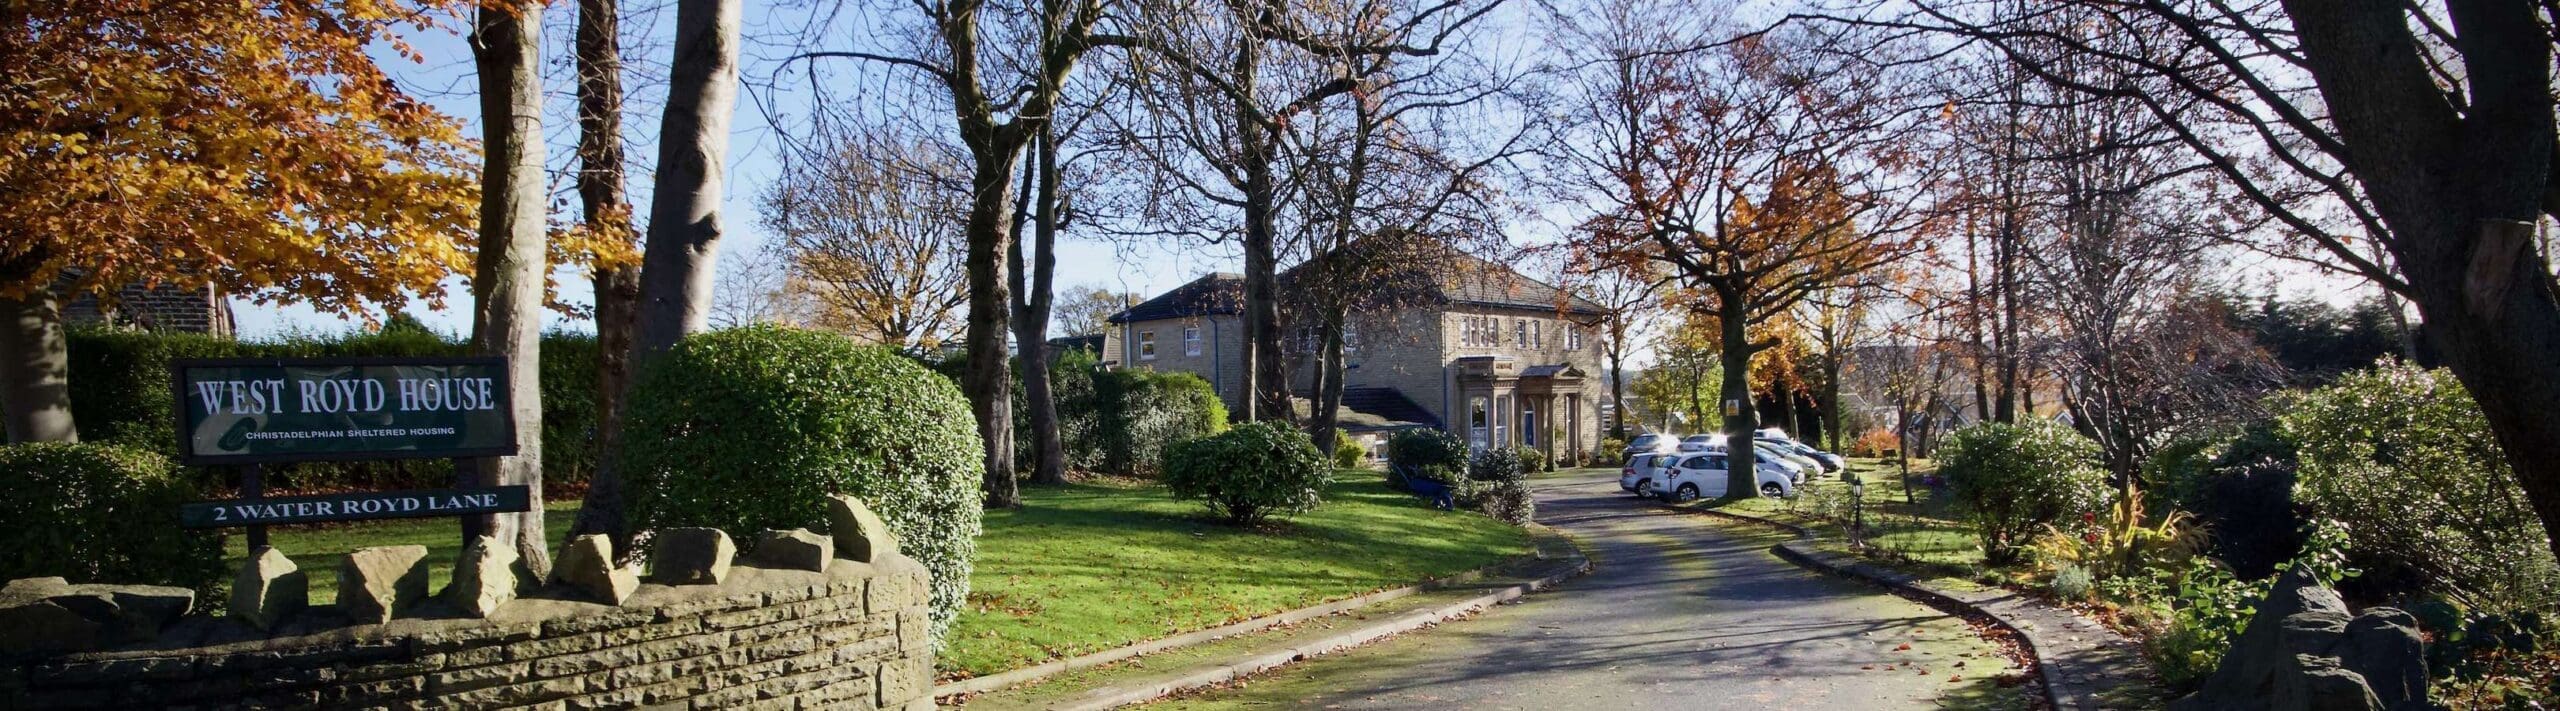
x,y
1146,345
1572,337
1350,338
1191,340
1520,332
1538,335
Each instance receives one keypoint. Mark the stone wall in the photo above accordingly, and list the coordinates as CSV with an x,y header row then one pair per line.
x,y
853,637
166,308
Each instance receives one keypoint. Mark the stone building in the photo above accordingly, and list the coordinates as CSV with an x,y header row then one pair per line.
x,y
1495,356
166,308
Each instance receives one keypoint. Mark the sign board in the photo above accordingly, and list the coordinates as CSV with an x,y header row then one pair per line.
x,y
241,411
355,507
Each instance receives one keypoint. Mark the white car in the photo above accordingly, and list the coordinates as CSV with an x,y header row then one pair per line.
x,y
1703,443
1776,454
1649,442
1640,471
1702,476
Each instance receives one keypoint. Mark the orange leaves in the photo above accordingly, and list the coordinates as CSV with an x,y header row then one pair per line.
x,y
254,145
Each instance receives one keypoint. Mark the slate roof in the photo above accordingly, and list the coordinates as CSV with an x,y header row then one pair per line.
x,y
1479,282
1216,294
1373,409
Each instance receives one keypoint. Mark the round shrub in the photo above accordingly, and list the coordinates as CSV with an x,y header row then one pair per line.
x,y
2403,457
1429,454
2014,480
1347,454
2072,582
1610,453
1502,464
1144,412
1537,460
1249,473
99,513
751,429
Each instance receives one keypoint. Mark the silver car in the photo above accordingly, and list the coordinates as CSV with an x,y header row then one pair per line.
x,y
1640,471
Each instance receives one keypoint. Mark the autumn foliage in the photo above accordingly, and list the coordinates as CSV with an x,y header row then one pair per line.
x,y
252,144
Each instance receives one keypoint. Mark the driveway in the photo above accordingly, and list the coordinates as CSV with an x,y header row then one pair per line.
x,y
1681,611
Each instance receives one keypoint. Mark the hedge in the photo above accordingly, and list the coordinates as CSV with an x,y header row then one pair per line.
x,y
102,513
753,428
120,395
1250,473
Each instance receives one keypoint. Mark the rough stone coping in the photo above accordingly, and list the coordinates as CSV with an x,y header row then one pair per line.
x,y
2076,658
549,612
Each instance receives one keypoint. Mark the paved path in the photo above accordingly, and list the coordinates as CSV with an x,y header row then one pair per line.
x,y
1682,611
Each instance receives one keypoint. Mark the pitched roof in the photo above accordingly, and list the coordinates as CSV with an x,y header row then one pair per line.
x,y
1215,294
1481,282
1371,409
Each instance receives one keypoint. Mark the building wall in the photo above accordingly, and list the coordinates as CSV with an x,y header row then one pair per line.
x,y
1220,361
167,307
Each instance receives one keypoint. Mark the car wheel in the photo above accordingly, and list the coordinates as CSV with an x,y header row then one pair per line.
x,y
1644,487
1687,493
1772,489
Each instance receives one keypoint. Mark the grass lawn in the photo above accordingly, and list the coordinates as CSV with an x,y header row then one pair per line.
x,y
1923,529
317,548
1088,567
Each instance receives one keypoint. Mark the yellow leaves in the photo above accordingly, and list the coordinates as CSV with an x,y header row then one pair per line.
x,y
253,145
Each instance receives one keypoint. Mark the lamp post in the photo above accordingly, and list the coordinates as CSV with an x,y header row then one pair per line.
x,y
1857,510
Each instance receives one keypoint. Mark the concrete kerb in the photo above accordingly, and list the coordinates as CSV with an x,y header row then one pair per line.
x,y
2064,687
1570,563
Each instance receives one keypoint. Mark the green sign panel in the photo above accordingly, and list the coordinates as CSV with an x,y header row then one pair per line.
x,y
300,409
355,507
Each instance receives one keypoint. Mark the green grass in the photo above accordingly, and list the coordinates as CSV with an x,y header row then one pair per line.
x,y
317,548
1088,567
1922,529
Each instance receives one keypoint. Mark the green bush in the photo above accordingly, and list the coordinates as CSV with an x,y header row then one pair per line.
x,y
1347,454
2402,456
751,429
1427,454
1249,473
1502,464
1508,502
2013,480
1610,453
1537,460
102,513
2072,582
1143,412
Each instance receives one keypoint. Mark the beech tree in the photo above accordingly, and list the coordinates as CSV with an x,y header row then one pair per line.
x,y
1754,170
142,149
870,229
677,261
613,257
513,262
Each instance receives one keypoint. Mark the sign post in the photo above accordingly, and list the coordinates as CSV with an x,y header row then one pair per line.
x,y
252,412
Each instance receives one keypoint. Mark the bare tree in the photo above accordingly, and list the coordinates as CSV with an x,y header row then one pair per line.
x,y
506,322
871,233
1087,311
1627,298
2428,129
1754,169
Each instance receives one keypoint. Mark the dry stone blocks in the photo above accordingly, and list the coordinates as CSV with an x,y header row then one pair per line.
x,y
795,549
269,589
484,578
41,615
859,533
691,556
587,564
376,583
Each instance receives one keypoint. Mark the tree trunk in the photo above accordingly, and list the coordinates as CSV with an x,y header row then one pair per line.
x,y
1031,319
678,262
1617,386
1741,470
512,261
1326,414
35,370
1831,418
1266,376
989,380
607,209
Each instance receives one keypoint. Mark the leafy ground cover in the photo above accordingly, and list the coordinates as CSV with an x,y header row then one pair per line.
x,y
1092,566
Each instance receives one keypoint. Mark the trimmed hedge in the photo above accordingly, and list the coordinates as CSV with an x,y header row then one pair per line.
x,y
120,395
1142,413
102,513
2015,480
1427,454
1248,473
751,429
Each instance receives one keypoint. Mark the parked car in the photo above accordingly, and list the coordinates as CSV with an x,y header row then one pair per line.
x,y
1702,442
1649,442
1830,462
1702,476
1640,471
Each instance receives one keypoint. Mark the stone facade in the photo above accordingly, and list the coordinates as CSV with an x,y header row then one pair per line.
x,y
1518,372
167,307
854,637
